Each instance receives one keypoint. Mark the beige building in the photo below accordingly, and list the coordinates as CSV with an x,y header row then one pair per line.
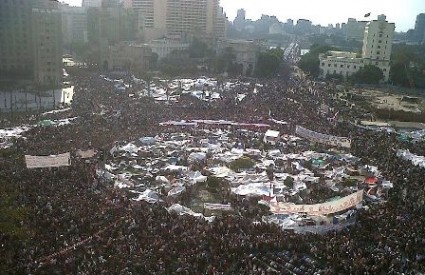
x,y
127,56
246,53
377,46
188,18
164,47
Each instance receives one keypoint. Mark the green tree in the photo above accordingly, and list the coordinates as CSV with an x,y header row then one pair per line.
x,y
269,63
408,63
369,74
309,62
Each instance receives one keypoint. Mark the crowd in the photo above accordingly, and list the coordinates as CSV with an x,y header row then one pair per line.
x,y
77,223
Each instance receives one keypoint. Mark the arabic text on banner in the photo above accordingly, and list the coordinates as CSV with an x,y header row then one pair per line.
x,y
47,161
321,208
323,138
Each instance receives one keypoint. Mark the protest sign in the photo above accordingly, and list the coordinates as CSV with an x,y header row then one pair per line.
x,y
47,161
86,154
318,209
323,138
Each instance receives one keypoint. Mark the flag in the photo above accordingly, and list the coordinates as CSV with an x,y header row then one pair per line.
x,y
367,14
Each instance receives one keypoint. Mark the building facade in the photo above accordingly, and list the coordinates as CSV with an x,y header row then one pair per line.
x,y
245,51
31,41
74,24
202,19
164,47
419,31
127,56
376,50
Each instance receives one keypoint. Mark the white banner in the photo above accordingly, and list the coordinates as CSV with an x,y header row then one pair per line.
x,y
323,138
48,161
86,154
318,209
218,206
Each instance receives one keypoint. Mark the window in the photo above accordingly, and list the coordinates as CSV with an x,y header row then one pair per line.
x,y
380,35
348,66
378,52
341,66
329,65
379,47
355,67
323,64
379,41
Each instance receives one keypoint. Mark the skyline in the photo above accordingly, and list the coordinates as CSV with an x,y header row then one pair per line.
x,y
402,13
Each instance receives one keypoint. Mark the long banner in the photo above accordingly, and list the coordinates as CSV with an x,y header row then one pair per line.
x,y
48,161
323,138
320,208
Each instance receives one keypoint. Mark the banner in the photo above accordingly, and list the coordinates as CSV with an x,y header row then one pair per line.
x,y
48,161
318,209
218,206
323,138
86,154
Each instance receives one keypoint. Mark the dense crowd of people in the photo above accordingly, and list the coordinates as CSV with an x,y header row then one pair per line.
x,y
77,223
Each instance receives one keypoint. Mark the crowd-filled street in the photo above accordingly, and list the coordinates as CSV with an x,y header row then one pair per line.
x,y
147,161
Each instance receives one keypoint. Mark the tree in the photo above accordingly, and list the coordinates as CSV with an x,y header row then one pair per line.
x,y
407,65
269,63
309,62
369,74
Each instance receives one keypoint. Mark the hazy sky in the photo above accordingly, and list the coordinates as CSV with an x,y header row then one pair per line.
x,y
401,12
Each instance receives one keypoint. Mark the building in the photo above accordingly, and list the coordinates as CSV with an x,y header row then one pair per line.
x,y
47,42
303,26
246,53
239,21
419,31
377,46
16,56
30,41
74,24
354,29
92,3
127,56
164,47
203,19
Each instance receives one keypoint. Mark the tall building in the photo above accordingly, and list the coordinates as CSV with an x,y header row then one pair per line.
x,y
74,24
187,18
354,29
419,32
16,56
92,3
377,46
30,41
47,42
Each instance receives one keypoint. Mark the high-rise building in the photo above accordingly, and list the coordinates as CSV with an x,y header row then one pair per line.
x,y
47,42
92,3
377,44
16,56
31,41
376,51
74,24
354,29
186,18
419,32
